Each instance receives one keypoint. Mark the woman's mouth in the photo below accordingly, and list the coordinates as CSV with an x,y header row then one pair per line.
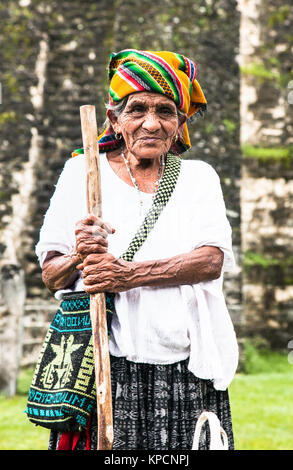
x,y
150,139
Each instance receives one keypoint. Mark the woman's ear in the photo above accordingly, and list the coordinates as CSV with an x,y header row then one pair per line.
x,y
182,119
113,121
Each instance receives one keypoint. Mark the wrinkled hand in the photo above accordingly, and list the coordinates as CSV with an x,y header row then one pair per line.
x,y
91,236
105,273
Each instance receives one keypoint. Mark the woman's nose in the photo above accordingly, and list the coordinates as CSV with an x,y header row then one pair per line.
x,y
151,122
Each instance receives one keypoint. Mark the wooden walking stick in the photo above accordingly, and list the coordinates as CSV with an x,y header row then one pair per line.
x,y
97,301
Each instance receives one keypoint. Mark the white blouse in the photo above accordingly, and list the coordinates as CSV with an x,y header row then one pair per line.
x,y
157,325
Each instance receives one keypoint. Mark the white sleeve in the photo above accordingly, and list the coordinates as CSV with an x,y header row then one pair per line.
x,y
211,220
65,208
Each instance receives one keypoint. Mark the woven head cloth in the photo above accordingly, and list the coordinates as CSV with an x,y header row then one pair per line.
x,y
168,73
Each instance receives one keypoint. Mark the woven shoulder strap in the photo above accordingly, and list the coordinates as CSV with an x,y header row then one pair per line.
x,y
163,195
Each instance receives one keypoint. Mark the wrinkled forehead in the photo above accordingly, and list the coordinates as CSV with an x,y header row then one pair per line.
x,y
149,97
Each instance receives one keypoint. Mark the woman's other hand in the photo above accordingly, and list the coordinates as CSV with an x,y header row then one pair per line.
x,y
105,273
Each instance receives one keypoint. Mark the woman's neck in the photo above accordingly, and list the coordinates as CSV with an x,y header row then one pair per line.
x,y
145,171
142,165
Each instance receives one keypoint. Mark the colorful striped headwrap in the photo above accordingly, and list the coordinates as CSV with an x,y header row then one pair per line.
x,y
168,73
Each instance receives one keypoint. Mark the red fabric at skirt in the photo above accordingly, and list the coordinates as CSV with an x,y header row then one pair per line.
x,y
68,440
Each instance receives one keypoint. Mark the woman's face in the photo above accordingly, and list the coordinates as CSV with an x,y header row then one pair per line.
x,y
148,123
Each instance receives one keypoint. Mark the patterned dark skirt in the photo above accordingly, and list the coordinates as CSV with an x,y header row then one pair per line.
x,y
155,407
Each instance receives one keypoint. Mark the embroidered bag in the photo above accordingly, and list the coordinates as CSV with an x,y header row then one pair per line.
x,y
62,392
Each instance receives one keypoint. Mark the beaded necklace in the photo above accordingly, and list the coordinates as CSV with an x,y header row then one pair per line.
x,y
157,182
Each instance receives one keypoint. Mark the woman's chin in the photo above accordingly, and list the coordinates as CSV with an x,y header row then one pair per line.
x,y
149,151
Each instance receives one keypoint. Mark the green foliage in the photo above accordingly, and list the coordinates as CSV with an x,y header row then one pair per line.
x,y
258,358
279,15
270,69
229,125
209,128
15,33
260,71
252,259
9,116
24,381
266,155
11,82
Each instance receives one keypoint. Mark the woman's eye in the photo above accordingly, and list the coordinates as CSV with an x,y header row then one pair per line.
x,y
166,111
137,109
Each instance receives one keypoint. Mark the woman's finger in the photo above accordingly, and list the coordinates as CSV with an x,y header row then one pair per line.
x,y
92,233
86,249
97,221
83,242
108,227
88,225
90,220
97,231
91,279
93,220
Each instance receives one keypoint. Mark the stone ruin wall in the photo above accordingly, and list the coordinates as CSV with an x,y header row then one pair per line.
x,y
54,57
267,170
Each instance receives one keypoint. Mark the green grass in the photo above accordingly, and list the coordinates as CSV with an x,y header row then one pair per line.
x,y
261,406
16,432
262,411
261,400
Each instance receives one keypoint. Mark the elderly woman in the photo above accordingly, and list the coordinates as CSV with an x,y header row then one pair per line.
x,y
172,345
